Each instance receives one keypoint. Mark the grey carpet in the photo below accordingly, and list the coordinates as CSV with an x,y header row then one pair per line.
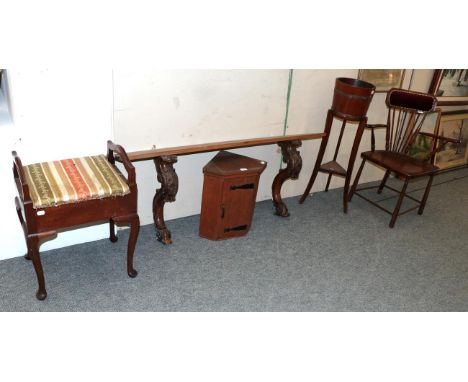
x,y
318,259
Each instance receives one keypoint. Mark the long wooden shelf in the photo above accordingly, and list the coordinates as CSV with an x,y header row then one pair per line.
x,y
205,147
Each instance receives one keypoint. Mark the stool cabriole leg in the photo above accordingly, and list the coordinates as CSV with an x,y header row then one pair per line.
x,y
33,252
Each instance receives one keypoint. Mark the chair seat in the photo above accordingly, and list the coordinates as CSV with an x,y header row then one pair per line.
x,y
73,180
400,163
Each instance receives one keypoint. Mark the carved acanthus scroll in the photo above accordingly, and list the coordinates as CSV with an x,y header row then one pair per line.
x,y
293,161
167,193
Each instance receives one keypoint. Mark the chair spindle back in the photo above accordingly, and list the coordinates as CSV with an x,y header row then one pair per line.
x,y
407,111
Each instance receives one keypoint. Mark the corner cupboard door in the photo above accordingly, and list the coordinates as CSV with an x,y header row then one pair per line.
x,y
237,205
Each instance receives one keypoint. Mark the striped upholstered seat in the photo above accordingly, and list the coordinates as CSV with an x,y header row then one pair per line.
x,y
73,180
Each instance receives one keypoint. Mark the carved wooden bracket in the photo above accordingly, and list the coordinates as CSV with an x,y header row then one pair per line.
x,y
167,193
293,161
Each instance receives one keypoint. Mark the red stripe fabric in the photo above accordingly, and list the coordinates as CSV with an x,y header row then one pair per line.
x,y
76,179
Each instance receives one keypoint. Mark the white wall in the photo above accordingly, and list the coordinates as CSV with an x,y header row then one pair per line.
x,y
5,115
185,107
66,113
4,85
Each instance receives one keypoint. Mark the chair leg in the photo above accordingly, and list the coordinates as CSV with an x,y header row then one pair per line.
x,y
384,180
356,180
134,229
33,252
398,205
112,237
426,194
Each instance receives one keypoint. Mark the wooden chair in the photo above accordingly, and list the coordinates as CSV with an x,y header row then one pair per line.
x,y
61,194
407,111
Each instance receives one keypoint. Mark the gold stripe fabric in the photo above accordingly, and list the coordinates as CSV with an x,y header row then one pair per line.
x,y
73,180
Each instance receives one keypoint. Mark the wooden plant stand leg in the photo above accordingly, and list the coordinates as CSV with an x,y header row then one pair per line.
x,y
356,180
321,153
293,161
352,159
167,193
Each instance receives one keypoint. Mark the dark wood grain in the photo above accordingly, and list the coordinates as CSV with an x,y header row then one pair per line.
x,y
293,160
169,181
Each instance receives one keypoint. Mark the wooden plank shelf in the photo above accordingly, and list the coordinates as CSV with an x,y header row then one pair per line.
x,y
206,147
333,167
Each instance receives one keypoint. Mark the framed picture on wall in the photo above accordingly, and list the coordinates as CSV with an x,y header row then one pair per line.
x,y
453,125
383,79
450,86
422,146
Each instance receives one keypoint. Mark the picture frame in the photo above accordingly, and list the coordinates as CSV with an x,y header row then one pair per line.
x,y
383,79
422,146
453,125
450,86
